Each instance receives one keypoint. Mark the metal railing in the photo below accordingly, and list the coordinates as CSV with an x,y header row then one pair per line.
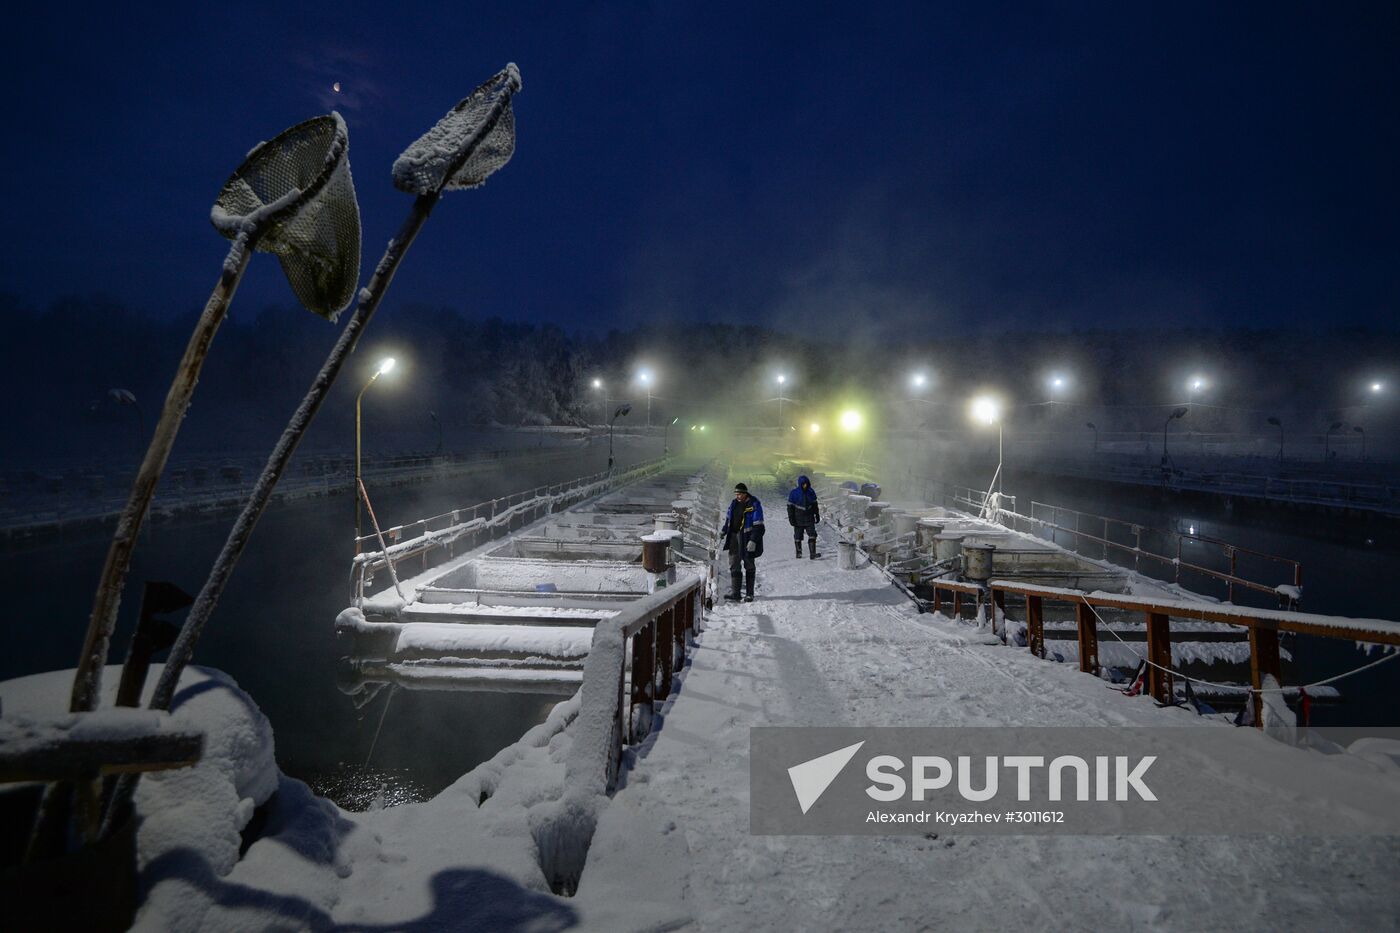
x,y
1117,540
435,539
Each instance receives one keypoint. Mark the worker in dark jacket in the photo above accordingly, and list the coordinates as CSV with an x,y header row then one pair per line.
x,y
803,515
743,539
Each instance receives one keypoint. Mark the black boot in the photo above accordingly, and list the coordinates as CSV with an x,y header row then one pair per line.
x,y
798,544
812,548
748,592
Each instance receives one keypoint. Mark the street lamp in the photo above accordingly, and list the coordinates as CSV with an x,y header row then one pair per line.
x,y
1055,385
781,379
385,365
1095,428
1194,386
851,420
1327,440
1278,424
1362,431
986,410
1377,388
644,377
666,436
1175,415
597,385
437,424
128,397
622,412
815,428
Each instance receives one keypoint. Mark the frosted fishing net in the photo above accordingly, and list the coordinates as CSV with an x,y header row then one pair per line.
x,y
472,141
296,194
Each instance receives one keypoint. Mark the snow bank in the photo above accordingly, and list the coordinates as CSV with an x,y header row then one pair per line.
x,y
190,818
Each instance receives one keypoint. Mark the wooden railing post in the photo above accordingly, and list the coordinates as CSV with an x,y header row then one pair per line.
x,y
957,604
665,642
1159,654
1263,661
1086,624
1035,625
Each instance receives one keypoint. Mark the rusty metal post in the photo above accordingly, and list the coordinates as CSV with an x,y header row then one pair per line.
x,y
1159,653
1263,661
1086,624
654,554
1035,626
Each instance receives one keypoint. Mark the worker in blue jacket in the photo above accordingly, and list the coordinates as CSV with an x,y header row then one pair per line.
x,y
803,515
743,539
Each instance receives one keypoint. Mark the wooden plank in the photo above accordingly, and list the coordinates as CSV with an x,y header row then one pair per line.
x,y
665,649
83,759
1035,626
1088,634
1159,653
1299,625
1263,661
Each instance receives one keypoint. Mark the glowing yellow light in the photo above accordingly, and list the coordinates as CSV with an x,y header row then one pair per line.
x,y
985,409
815,428
851,420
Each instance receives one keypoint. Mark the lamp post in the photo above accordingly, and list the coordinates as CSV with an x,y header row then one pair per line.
x,y
1278,424
1175,415
622,412
1095,428
781,379
384,366
438,425
1362,431
644,378
1327,440
666,436
986,410
602,398
127,397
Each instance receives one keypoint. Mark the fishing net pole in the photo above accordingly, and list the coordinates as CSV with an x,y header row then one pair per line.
x,y
466,146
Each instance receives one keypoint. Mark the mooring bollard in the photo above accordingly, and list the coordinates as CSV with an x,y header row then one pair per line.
x,y
846,555
656,559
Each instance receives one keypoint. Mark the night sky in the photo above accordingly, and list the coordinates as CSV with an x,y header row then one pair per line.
x,y
1021,166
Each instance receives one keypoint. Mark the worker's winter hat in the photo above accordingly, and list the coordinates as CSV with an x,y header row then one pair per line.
x,y
740,487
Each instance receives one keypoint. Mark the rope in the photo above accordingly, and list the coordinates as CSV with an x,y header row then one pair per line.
x,y
384,712
1211,683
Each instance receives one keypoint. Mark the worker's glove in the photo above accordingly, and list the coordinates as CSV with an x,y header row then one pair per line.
x,y
752,546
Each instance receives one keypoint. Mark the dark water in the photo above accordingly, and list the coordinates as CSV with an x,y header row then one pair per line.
x,y
272,631
1351,567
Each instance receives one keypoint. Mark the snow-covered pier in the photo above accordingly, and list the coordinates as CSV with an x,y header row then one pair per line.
x,y
628,807
518,615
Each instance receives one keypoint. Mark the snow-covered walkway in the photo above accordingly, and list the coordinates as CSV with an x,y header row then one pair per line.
x,y
824,647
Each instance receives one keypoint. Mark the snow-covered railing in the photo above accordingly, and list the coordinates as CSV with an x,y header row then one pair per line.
x,y
655,633
1112,538
435,539
1264,626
